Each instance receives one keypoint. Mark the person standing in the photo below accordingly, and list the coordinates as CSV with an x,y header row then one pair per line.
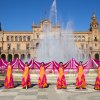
x,y
61,81
42,80
8,67
26,82
80,80
97,82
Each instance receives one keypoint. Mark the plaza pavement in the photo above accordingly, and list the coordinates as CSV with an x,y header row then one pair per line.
x,y
50,93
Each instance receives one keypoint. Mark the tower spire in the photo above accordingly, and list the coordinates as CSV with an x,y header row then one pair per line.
x,y
94,23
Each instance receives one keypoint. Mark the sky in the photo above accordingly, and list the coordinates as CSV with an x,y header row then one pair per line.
x,y
19,15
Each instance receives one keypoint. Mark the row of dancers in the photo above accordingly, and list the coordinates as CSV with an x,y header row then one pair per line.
x,y
78,68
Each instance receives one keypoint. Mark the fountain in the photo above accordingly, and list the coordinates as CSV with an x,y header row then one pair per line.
x,y
59,46
53,13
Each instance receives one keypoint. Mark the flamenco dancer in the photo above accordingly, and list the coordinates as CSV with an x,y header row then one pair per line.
x,y
80,80
97,82
81,70
61,81
8,67
26,82
42,81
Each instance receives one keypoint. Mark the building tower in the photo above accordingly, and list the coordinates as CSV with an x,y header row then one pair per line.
x,y
94,23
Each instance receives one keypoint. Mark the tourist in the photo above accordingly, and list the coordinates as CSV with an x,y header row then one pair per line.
x,y
80,80
8,66
97,82
61,81
42,81
26,83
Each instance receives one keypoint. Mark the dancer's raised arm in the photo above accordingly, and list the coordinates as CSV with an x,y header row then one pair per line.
x,y
56,65
21,65
31,64
74,65
48,65
14,63
66,65
4,63
95,63
87,66
37,64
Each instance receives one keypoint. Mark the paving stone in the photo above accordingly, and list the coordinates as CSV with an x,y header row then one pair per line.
x,y
7,97
28,93
42,93
43,97
8,93
25,97
50,93
10,90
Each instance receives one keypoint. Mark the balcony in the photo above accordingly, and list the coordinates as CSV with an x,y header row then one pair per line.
x,y
15,51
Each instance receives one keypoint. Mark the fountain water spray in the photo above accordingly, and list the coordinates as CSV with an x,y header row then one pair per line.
x,y
59,46
53,13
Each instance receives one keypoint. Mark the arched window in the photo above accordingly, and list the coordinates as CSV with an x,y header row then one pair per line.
x,y
16,56
18,46
91,48
12,38
83,38
22,56
16,38
20,38
3,56
27,46
9,57
7,38
97,56
37,35
28,56
37,44
24,38
8,46
79,38
75,38
95,39
28,38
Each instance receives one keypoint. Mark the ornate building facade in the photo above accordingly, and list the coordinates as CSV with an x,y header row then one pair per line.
x,y
23,45
90,40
